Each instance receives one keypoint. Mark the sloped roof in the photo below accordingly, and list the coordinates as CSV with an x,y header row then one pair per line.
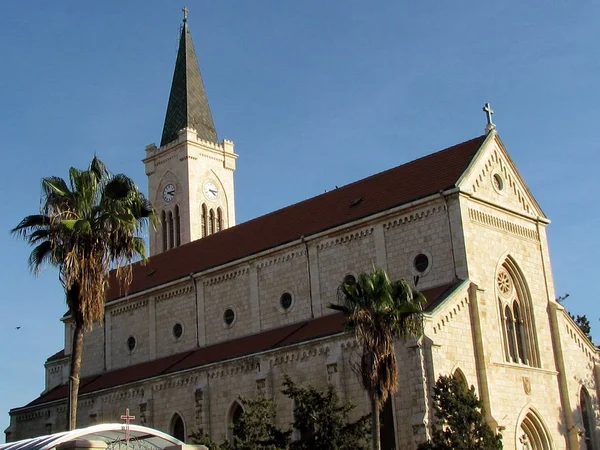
x,y
403,184
277,338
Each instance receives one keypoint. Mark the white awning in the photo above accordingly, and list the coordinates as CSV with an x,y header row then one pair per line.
x,y
111,433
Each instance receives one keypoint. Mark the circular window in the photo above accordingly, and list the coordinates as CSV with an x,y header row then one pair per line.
x,y
286,300
228,316
504,282
350,279
498,182
177,330
131,343
421,262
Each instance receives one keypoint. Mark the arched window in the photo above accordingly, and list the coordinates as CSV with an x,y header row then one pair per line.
x,y
211,222
304,426
459,375
587,417
532,435
516,312
204,220
219,219
171,230
235,414
163,222
177,427
177,227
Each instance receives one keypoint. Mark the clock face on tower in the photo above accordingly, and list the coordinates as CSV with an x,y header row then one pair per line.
x,y
169,193
210,190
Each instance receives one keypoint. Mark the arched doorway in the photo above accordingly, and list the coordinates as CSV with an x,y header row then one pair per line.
x,y
177,427
587,417
234,416
532,434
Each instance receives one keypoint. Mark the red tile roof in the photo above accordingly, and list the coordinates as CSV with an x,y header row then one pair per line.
x,y
403,184
246,346
57,355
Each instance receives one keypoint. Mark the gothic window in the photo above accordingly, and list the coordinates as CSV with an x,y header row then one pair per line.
x,y
164,230
177,427
171,230
204,220
532,434
177,227
235,414
587,417
211,222
516,312
219,219
458,374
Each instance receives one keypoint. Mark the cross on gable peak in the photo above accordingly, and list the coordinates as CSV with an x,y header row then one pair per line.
x,y
490,126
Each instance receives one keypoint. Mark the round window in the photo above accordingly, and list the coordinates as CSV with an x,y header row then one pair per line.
x,y
286,300
421,262
498,182
131,343
350,279
177,330
228,316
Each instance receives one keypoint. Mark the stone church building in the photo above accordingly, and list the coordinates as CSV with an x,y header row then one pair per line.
x,y
224,309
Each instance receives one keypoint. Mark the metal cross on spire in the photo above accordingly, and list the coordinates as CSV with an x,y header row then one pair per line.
x,y
185,11
127,418
487,109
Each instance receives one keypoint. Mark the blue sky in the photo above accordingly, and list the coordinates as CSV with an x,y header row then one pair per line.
x,y
314,94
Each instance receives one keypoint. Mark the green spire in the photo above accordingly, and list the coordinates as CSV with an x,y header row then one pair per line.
x,y
188,105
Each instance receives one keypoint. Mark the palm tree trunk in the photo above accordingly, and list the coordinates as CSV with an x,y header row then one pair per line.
x,y
375,421
76,352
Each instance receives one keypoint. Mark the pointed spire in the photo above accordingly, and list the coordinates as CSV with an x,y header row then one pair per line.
x,y
188,105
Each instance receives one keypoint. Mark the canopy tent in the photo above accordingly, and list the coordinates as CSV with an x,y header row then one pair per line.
x,y
110,433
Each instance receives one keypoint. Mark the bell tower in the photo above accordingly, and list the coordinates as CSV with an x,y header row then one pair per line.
x,y
190,176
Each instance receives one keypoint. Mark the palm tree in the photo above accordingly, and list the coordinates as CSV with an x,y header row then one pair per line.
x,y
379,312
85,228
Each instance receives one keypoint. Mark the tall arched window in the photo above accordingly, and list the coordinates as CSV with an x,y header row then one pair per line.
x,y
204,220
171,242
177,427
516,312
177,227
219,219
163,221
211,222
587,417
235,414
459,375
532,435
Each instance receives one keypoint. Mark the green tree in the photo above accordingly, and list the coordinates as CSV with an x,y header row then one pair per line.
x,y
461,423
584,325
85,227
321,422
379,312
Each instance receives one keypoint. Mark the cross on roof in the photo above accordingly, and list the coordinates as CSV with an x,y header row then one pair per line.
x,y
488,114
127,418
185,11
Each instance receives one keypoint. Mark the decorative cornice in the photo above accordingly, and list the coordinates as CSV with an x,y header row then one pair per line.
x,y
347,237
413,216
300,355
252,365
583,346
226,276
175,382
33,415
281,258
502,224
450,314
123,395
174,293
129,307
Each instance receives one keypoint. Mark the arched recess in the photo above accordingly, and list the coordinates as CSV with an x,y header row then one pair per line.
x,y
532,434
588,419
459,374
516,313
177,227
233,417
170,223
177,427
204,222
219,219
211,221
163,224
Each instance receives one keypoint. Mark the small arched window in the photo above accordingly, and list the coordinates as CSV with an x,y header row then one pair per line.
x,y
177,227
163,222
532,435
171,229
510,332
219,219
459,375
235,415
204,220
587,417
211,222
519,332
177,427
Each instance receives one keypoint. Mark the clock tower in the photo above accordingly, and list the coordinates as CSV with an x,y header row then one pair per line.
x,y
190,176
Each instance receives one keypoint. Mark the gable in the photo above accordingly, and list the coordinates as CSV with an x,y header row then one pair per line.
x,y
493,178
